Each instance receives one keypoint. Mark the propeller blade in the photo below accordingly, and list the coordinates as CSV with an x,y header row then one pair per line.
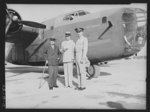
x,y
33,24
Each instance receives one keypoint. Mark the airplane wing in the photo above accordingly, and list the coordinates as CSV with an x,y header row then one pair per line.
x,y
20,32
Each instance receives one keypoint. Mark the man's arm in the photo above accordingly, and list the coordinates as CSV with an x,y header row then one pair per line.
x,y
85,48
73,49
45,52
59,52
62,50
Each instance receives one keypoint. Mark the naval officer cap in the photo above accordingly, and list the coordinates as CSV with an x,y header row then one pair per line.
x,y
52,39
78,30
67,34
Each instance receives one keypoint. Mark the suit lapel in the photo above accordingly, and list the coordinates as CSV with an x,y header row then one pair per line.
x,y
53,50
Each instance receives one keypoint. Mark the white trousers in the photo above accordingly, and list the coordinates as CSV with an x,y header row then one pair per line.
x,y
81,70
68,71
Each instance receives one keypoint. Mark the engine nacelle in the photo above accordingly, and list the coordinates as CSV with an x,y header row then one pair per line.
x,y
15,17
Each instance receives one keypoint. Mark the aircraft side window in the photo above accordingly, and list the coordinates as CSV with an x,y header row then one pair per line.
x,y
104,19
69,17
76,14
82,13
66,17
52,27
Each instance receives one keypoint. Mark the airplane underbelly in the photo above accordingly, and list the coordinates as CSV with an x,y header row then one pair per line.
x,y
104,50
15,53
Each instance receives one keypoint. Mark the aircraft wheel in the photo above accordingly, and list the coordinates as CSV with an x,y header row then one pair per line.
x,y
90,71
93,71
105,62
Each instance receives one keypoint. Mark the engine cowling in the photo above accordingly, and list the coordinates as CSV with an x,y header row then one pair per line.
x,y
14,17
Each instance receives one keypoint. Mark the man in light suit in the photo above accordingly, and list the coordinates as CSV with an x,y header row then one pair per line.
x,y
67,48
81,49
52,55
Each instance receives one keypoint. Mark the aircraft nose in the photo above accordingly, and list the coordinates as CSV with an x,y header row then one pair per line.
x,y
135,32
137,43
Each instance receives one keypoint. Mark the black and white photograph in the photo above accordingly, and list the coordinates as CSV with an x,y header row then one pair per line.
x,y
76,56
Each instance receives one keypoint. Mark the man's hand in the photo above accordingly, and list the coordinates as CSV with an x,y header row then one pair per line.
x,y
58,59
83,59
74,61
130,47
46,61
65,49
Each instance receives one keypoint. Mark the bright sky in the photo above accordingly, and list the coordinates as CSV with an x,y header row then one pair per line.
x,y
39,13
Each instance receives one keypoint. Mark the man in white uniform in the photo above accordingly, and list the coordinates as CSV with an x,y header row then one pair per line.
x,y
81,49
68,48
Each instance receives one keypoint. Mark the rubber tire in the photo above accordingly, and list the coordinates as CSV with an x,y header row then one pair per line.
x,y
105,62
91,71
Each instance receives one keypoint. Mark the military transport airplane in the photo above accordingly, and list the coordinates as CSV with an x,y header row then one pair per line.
x,y
112,34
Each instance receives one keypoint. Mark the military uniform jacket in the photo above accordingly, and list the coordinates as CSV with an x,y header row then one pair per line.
x,y
68,55
52,55
81,48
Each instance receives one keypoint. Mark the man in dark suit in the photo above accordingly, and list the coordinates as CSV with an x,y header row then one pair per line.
x,y
52,55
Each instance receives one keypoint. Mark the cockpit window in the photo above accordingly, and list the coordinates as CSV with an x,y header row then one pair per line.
x,y
82,13
75,14
68,17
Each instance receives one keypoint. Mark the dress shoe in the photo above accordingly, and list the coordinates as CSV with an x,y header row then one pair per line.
x,y
51,88
89,78
56,86
80,88
76,88
71,86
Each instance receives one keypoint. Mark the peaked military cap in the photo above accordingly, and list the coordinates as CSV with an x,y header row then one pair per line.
x,y
67,34
78,30
52,39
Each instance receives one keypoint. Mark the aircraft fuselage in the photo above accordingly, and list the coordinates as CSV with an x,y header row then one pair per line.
x,y
105,32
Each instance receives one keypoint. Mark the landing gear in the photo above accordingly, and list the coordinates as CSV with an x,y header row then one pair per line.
x,y
105,62
90,71
93,71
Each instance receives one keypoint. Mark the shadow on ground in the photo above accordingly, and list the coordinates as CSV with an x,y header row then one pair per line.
x,y
140,96
61,79
115,105
104,74
22,70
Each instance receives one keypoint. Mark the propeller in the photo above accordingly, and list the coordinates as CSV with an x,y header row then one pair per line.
x,y
33,24
14,22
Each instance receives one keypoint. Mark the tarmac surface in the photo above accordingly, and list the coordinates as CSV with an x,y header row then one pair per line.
x,y
121,84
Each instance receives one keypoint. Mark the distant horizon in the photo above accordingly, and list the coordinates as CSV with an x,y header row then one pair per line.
x,y
40,13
